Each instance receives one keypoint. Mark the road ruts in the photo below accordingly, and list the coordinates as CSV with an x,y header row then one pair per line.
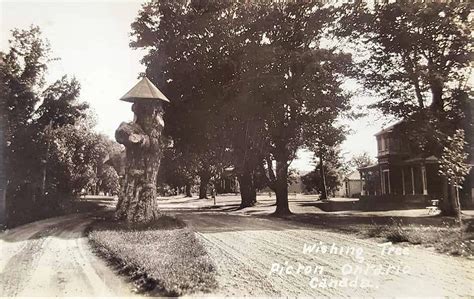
x,y
245,247
53,258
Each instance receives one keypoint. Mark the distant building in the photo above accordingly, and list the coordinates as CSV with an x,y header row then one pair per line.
x,y
352,184
228,182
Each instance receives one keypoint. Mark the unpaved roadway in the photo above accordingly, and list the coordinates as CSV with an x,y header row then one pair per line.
x,y
245,249
52,258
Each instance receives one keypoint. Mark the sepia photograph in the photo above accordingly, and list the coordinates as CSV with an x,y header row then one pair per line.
x,y
237,148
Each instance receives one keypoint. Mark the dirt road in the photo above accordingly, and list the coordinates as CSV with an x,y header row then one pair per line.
x,y
246,249
259,256
52,258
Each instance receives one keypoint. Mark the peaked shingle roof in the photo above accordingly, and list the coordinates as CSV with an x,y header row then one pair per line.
x,y
144,90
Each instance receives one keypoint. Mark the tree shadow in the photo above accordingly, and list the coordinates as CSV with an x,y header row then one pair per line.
x,y
70,224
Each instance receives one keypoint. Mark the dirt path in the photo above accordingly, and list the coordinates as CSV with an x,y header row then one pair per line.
x,y
52,258
246,248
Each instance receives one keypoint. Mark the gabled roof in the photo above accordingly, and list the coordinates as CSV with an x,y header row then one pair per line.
x,y
144,90
353,176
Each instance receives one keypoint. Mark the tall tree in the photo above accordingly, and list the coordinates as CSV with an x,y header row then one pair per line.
x,y
39,123
417,58
183,60
257,70
313,181
294,84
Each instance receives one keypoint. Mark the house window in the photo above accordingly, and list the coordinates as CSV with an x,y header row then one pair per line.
x,y
386,181
383,143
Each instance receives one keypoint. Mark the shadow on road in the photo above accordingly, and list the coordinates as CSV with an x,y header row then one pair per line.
x,y
71,225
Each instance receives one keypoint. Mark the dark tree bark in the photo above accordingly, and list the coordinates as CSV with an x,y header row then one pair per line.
x,y
278,182
188,190
138,199
248,192
203,184
324,193
281,189
450,205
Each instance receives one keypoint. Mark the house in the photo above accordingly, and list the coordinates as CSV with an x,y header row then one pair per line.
x,y
402,175
399,173
227,183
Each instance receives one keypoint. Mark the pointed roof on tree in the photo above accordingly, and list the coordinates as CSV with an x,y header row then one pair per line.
x,y
144,90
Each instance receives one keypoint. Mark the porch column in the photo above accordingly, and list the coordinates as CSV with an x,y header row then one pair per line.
x,y
403,181
382,181
412,181
389,184
362,193
423,179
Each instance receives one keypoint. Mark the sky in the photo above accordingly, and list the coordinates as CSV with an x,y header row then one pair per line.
x,y
91,38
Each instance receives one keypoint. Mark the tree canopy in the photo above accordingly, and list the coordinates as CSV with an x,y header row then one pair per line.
x,y
51,150
251,82
416,57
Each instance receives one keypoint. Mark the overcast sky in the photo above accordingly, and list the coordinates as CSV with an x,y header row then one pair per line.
x,y
91,38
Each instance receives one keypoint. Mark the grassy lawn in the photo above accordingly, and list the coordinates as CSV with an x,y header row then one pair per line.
x,y
440,233
163,259
446,238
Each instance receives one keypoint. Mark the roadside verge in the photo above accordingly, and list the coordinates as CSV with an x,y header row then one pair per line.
x,y
161,259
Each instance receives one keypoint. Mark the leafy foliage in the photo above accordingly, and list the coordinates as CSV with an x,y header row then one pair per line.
x,y
418,53
416,56
312,181
362,160
257,70
453,160
51,151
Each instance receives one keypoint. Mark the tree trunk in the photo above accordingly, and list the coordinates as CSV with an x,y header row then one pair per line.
x,y
138,199
188,190
437,103
451,205
248,193
324,193
203,183
281,189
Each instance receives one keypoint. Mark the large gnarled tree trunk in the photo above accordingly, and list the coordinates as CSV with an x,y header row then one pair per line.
x,y
137,201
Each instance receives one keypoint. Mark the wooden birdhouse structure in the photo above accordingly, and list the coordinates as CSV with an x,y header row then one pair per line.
x,y
144,90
